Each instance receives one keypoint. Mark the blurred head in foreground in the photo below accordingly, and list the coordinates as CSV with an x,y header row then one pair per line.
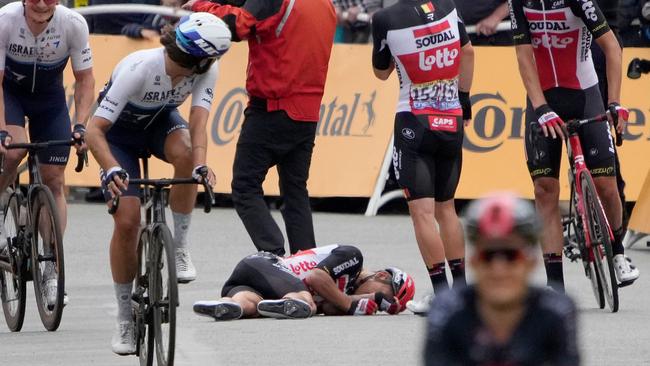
x,y
503,230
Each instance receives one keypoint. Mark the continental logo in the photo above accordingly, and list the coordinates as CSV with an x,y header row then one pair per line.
x,y
351,115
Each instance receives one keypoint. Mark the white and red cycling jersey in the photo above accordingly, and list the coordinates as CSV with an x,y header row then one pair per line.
x,y
424,39
342,262
561,33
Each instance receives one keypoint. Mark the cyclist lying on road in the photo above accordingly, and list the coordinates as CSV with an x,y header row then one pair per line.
x,y
328,280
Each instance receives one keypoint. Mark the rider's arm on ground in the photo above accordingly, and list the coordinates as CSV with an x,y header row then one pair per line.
x,y
244,21
96,141
382,59
322,283
330,309
525,57
82,63
202,95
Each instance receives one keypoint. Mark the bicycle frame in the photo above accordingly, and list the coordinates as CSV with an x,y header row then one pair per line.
x,y
579,168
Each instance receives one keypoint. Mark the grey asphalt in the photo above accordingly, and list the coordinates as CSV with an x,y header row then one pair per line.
x,y
219,241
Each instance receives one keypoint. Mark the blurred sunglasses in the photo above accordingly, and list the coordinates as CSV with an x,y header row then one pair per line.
x,y
506,254
47,2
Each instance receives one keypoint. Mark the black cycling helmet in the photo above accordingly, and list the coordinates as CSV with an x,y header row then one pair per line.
x,y
499,215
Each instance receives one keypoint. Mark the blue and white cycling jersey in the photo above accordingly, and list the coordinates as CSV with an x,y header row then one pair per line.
x,y
35,63
140,90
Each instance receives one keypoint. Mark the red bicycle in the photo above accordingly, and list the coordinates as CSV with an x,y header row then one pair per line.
x,y
587,227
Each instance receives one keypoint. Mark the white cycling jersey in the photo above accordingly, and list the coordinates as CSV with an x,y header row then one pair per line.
x,y
36,63
140,89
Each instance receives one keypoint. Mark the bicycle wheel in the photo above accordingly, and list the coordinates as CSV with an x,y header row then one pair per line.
x,y
13,284
47,258
143,316
163,292
601,245
588,264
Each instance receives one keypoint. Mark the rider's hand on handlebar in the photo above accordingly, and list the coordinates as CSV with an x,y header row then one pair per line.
x,y
116,181
78,134
5,140
618,116
550,122
203,171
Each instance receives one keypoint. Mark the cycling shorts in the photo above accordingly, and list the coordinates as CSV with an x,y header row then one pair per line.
x,y
544,154
128,145
264,274
428,155
48,120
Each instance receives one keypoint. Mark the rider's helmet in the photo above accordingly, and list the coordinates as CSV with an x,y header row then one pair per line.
x,y
203,35
403,286
497,216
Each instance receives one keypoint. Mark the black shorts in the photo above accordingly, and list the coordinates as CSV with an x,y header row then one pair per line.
x,y
544,154
48,120
428,162
127,145
264,274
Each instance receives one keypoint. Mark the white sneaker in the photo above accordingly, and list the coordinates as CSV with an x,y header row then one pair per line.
x,y
123,342
185,270
626,272
420,307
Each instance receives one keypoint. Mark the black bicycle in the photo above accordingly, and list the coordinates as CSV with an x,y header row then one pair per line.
x,y
155,297
34,250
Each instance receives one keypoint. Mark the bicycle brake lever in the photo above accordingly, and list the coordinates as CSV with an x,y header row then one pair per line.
x,y
115,202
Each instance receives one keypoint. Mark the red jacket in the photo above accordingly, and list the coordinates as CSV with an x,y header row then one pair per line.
x,y
289,42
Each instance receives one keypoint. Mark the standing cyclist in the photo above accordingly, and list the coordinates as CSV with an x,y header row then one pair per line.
x,y
552,41
502,319
36,39
427,43
289,46
138,114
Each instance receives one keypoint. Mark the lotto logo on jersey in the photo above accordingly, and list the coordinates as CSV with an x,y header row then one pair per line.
x,y
440,58
302,267
590,11
438,123
551,41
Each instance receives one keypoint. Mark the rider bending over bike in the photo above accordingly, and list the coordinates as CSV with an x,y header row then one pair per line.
x,y
329,280
138,114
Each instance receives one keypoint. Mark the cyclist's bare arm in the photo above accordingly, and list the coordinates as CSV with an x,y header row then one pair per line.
x,y
466,72
613,54
83,94
529,76
96,140
198,134
321,282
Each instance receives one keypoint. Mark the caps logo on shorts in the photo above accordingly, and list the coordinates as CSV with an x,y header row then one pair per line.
x,y
408,133
439,123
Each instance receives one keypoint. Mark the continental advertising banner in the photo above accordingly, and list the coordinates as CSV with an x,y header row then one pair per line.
x,y
356,123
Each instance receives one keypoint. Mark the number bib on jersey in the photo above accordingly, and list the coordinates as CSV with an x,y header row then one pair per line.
x,y
434,97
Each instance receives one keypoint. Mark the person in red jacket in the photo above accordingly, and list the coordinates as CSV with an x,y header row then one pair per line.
x,y
289,42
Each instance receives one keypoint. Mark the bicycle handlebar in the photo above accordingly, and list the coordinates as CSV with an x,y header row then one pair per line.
x,y
573,125
82,157
166,182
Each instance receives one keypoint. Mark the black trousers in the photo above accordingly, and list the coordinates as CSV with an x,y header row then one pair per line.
x,y
268,139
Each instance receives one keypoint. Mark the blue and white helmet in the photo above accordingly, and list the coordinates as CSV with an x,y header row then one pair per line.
x,y
203,35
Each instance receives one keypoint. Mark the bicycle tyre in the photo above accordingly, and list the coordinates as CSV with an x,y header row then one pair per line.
x,y
142,310
13,286
601,246
163,294
45,222
588,264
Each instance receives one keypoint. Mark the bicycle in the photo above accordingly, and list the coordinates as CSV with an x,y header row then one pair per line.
x,y
591,240
34,250
154,299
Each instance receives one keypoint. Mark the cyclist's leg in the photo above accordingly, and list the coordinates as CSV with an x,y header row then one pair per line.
x,y
543,157
449,160
415,174
15,120
53,123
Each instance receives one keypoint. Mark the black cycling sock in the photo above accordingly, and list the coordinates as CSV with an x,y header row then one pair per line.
x,y
554,274
457,267
617,245
438,278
